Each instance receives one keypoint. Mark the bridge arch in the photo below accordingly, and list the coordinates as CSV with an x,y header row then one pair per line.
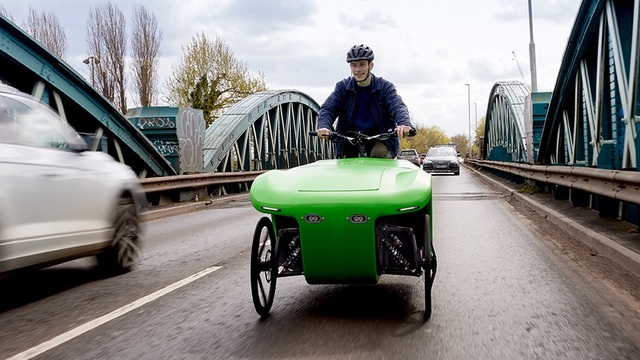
x,y
266,130
504,128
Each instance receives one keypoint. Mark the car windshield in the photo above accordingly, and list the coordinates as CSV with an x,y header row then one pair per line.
x,y
442,151
29,123
406,152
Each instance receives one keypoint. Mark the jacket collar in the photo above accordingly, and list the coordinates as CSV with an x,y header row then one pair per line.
x,y
351,84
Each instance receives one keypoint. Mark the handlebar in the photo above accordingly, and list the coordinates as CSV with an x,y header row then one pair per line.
x,y
358,136
358,139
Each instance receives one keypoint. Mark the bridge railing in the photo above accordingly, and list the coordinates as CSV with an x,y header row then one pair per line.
x,y
178,188
617,192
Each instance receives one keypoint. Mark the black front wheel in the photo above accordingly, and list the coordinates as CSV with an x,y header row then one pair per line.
x,y
429,264
264,267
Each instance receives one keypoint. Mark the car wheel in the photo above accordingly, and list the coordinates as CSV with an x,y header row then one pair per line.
x,y
124,251
457,172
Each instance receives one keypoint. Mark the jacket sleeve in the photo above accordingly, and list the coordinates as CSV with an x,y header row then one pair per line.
x,y
397,108
330,109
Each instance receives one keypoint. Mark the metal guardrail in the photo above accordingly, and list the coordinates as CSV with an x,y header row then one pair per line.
x,y
192,181
615,184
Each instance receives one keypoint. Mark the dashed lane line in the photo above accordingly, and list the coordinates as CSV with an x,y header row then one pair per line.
x,y
71,334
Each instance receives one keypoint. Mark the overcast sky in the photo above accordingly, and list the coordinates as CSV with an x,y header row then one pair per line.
x,y
428,49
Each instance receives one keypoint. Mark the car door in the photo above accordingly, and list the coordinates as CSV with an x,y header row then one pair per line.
x,y
47,213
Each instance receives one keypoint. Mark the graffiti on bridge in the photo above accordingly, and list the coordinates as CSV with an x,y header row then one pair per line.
x,y
155,123
191,135
166,147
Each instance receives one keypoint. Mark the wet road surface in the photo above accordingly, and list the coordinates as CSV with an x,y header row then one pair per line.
x,y
502,291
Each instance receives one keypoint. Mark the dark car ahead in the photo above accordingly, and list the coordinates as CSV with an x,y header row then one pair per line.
x,y
442,159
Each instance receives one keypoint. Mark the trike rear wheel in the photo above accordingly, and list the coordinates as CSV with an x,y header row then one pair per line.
x,y
264,268
429,264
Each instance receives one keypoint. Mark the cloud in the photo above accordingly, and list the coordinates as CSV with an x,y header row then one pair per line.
x,y
268,15
488,70
553,11
372,20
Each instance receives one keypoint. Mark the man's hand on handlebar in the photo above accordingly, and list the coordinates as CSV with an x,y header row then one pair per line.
x,y
324,133
404,130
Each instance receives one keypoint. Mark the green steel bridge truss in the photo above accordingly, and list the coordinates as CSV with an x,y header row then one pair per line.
x,y
591,121
266,130
29,67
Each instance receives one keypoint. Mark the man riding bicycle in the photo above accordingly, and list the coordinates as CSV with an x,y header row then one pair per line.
x,y
367,104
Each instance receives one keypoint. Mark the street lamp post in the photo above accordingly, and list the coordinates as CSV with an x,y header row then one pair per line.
x,y
469,112
476,118
92,61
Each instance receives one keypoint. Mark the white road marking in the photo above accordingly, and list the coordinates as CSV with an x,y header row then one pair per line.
x,y
62,338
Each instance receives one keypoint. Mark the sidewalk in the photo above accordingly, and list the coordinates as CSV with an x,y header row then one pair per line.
x,y
615,239
159,212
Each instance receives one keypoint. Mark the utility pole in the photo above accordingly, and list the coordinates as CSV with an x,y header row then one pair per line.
x,y
469,112
532,53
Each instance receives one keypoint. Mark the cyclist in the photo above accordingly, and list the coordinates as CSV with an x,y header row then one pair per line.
x,y
366,103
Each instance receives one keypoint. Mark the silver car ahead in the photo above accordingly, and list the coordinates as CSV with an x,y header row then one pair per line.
x,y
58,201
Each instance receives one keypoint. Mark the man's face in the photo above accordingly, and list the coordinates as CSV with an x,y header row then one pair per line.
x,y
360,69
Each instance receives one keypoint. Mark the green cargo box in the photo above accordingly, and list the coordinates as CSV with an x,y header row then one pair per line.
x,y
337,206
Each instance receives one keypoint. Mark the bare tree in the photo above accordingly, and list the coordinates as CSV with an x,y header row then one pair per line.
x,y
211,78
5,13
106,42
45,28
145,46
97,54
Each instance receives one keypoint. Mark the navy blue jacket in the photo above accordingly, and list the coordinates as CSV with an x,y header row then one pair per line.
x,y
388,109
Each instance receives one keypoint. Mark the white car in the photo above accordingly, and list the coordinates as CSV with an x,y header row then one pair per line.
x,y
58,201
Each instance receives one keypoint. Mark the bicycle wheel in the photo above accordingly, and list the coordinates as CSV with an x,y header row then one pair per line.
x,y
264,267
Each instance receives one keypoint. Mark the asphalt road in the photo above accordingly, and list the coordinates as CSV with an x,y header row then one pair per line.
x,y
506,288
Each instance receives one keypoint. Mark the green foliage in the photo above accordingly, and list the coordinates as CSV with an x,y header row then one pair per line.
x,y
462,143
528,188
478,142
425,138
211,78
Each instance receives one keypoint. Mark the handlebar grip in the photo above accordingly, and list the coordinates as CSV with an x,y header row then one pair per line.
x,y
412,132
313,133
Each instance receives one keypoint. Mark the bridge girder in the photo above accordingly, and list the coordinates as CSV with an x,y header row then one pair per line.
x,y
266,130
29,67
593,114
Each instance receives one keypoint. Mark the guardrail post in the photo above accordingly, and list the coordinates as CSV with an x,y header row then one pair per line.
x,y
560,192
607,207
580,198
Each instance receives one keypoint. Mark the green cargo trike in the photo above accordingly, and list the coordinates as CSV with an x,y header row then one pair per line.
x,y
342,221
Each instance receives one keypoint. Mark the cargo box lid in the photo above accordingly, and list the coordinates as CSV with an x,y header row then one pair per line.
x,y
347,175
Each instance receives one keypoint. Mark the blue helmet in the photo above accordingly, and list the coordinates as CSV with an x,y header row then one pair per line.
x,y
359,52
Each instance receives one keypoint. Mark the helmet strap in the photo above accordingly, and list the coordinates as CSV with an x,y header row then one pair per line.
x,y
368,74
